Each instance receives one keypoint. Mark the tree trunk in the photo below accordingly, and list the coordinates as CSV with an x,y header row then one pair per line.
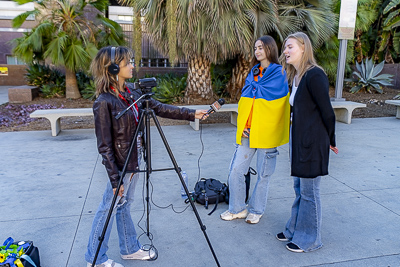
x,y
388,55
198,87
71,85
238,78
358,47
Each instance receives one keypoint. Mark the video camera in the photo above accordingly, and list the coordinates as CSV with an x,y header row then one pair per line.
x,y
146,84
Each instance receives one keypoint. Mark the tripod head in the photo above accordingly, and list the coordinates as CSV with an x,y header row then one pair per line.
x,y
146,84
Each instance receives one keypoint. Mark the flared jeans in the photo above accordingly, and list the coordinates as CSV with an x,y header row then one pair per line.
x,y
304,226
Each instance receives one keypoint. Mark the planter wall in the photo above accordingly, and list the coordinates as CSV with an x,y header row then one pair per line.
x,y
16,75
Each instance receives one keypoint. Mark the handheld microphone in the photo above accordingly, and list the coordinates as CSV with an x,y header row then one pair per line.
x,y
216,106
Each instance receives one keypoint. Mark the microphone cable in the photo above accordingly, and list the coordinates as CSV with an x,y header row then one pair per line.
x,y
202,149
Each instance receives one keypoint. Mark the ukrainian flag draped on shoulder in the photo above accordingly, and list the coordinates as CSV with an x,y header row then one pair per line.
x,y
271,110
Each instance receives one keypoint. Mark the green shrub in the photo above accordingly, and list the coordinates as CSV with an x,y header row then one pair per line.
x,y
220,76
327,56
89,91
51,82
53,89
170,88
86,85
41,74
367,78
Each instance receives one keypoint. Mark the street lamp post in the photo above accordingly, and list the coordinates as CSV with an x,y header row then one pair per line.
x,y
347,23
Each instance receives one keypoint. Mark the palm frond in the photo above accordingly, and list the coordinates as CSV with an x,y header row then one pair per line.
x,y
75,56
100,5
55,50
21,18
392,4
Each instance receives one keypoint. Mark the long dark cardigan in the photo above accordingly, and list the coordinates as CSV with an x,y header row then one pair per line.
x,y
313,126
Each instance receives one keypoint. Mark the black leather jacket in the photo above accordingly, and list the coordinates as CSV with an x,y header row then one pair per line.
x,y
114,136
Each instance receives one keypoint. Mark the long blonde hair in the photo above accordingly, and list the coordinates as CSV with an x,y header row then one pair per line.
x,y
307,61
99,68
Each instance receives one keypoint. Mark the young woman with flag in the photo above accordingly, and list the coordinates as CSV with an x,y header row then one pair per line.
x,y
262,126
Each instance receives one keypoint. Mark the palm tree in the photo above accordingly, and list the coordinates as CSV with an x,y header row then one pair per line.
x,y
211,31
65,36
279,18
208,32
262,17
367,14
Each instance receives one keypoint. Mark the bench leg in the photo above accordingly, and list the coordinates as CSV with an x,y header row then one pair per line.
x,y
55,126
195,124
234,118
398,112
343,115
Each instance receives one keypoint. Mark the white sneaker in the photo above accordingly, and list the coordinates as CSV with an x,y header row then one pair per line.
x,y
108,263
140,255
227,216
253,218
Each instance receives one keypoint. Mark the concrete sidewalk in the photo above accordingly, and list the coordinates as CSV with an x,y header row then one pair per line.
x,y
51,187
4,94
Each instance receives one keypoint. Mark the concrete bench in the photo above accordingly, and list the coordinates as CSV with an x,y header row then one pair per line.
x,y
54,115
344,109
396,103
232,108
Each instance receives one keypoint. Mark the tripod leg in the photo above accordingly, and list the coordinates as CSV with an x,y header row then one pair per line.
x,y
177,169
149,168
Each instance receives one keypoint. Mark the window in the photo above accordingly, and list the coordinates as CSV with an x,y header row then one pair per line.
x,y
12,60
125,18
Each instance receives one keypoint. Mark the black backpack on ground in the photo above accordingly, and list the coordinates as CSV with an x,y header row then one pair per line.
x,y
209,191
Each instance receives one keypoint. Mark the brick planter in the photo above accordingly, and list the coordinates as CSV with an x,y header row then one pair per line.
x,y
21,94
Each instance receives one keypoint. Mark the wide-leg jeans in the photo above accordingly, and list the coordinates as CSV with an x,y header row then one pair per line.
x,y
128,242
266,162
304,226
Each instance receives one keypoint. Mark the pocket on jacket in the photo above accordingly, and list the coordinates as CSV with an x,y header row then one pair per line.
x,y
307,139
121,151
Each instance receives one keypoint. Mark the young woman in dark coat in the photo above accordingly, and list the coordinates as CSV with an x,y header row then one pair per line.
x,y
312,135
110,68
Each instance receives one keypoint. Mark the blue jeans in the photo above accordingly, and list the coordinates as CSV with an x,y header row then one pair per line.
x,y
128,242
304,226
266,162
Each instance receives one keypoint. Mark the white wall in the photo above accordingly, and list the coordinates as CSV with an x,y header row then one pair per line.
x,y
10,9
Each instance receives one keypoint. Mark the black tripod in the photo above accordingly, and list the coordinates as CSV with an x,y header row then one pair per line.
x,y
144,123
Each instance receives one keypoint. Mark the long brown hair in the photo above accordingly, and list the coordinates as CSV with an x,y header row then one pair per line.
x,y
270,48
99,68
307,60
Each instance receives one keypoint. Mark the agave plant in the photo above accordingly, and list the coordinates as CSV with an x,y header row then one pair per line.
x,y
367,77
